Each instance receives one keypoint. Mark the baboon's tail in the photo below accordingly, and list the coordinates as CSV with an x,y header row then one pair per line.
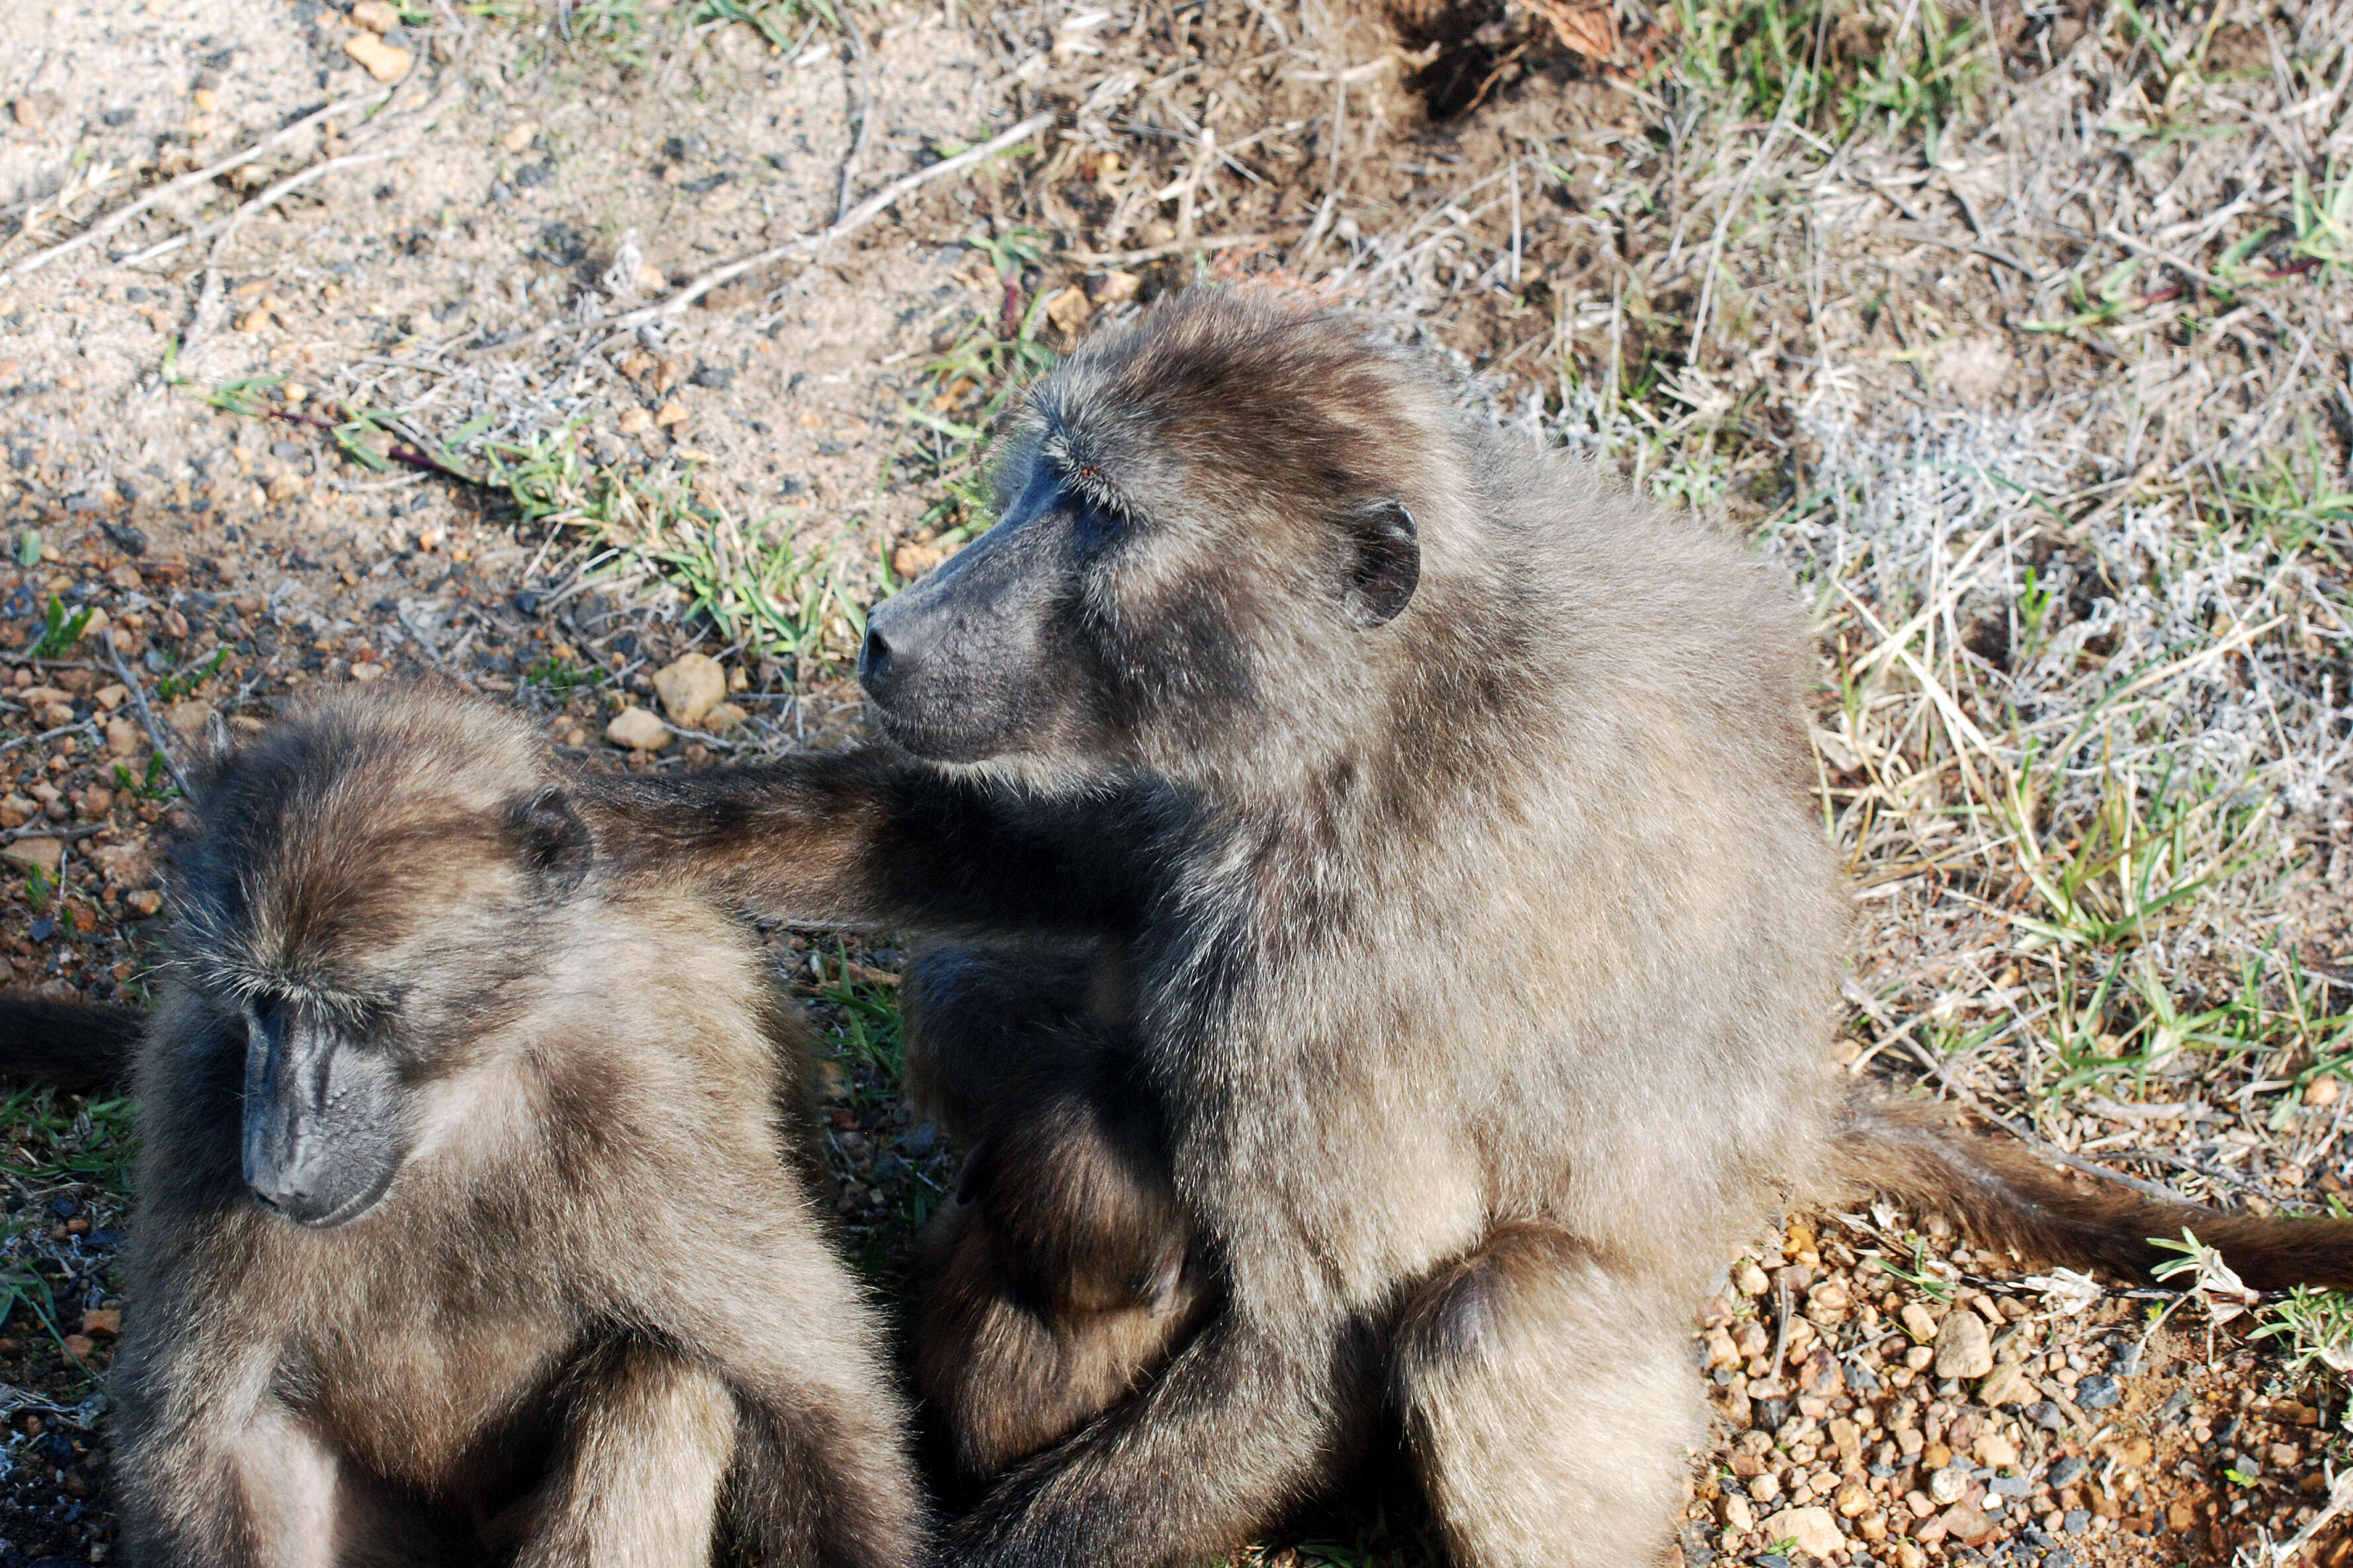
x,y
2002,1195
76,1046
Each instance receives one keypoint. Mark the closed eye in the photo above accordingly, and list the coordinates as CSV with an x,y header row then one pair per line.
x,y
1090,521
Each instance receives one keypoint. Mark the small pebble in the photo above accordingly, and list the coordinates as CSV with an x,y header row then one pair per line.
x,y
384,61
637,729
2097,1393
1964,1349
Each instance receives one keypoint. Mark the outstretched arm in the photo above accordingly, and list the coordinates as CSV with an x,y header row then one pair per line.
x,y
870,835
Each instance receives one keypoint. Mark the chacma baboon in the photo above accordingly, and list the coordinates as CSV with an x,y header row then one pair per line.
x,y
1449,811
1059,1272
475,1211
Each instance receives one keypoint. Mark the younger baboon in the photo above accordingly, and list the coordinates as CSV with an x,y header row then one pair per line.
x,y
1449,810
475,1214
1060,1271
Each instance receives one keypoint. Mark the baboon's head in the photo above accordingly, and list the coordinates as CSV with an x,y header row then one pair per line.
x,y
1202,516
352,912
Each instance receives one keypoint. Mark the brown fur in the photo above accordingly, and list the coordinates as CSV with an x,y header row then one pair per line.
x,y
2002,1195
596,1312
1060,1272
1447,811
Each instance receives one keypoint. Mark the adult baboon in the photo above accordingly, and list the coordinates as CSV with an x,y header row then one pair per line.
x,y
474,1216
1449,811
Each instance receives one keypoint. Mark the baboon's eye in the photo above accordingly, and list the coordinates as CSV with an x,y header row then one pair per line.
x,y
1091,520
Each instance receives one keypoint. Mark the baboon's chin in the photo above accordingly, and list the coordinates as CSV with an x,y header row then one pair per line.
x,y
941,743
334,1213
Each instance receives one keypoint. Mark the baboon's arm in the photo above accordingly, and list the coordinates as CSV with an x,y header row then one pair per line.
x,y
637,1478
214,1487
870,835
1241,1425
821,1474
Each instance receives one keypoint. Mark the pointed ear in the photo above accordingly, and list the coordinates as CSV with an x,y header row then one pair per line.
x,y
1385,566
551,840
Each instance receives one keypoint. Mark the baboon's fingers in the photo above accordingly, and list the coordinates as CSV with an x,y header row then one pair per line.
x,y
2003,1195
1546,1402
76,1046
636,1481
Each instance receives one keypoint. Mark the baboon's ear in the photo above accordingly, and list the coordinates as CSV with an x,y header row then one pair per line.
x,y
209,758
1386,564
218,746
551,840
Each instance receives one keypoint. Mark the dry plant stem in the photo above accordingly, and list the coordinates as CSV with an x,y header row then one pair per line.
x,y
291,183
2340,1499
115,220
1732,207
856,218
861,92
432,653
130,678
1173,247
51,830
80,726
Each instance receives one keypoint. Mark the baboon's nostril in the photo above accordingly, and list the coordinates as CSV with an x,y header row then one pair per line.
x,y
874,658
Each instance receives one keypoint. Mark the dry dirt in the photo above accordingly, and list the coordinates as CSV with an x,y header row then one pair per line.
x,y
1843,344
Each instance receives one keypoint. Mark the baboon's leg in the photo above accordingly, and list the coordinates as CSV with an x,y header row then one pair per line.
x,y
822,1476
1247,1421
817,1487
1006,1379
1547,1402
637,1476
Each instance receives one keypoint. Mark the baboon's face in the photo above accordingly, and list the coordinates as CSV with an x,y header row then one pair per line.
x,y
356,948
1191,514
323,1135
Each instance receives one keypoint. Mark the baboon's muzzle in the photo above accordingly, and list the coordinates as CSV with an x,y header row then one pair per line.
x,y
322,1119
952,666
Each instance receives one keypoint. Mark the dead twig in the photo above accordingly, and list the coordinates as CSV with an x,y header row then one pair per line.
x,y
861,93
226,231
210,172
856,218
80,726
138,690
1173,247
50,830
245,211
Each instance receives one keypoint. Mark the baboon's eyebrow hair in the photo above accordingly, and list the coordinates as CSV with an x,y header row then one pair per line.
x,y
1064,452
